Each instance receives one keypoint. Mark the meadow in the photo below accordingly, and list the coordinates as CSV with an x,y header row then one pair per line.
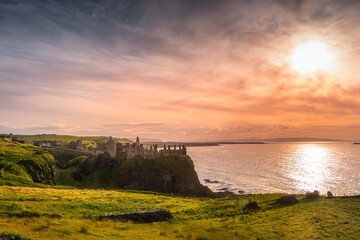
x,y
32,205
47,213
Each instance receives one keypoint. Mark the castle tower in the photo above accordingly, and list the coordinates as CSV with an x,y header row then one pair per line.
x,y
111,147
78,144
155,149
137,141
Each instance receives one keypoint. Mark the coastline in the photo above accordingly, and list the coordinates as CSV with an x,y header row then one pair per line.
x,y
202,144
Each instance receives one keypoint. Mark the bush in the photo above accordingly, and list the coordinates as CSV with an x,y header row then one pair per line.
x,y
251,206
85,167
141,217
13,236
288,199
25,214
76,175
84,230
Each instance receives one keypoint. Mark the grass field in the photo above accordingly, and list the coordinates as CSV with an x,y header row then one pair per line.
x,y
41,211
46,213
89,141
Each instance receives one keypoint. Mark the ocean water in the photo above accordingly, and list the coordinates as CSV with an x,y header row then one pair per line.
x,y
280,167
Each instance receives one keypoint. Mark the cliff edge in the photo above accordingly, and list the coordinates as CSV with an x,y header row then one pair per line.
x,y
166,174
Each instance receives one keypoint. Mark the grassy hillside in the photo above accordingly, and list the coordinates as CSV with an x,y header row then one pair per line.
x,y
22,164
90,142
73,214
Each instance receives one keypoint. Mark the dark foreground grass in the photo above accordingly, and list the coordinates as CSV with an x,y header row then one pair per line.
x,y
46,213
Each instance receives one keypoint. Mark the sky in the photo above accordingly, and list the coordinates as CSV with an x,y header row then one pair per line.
x,y
191,70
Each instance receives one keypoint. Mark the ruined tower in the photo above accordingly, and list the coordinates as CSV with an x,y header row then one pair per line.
x,y
111,147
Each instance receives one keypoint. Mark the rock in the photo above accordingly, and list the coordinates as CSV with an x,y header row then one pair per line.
x,y
288,199
223,194
172,174
312,195
329,194
251,206
141,217
210,181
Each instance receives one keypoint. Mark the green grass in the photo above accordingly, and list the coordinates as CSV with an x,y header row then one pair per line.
x,y
89,141
73,214
53,212
22,164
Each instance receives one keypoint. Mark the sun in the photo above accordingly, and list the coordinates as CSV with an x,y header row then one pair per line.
x,y
311,57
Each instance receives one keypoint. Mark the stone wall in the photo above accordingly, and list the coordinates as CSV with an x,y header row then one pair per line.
x,y
46,143
181,150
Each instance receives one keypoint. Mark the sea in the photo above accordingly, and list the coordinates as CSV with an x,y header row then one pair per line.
x,y
295,167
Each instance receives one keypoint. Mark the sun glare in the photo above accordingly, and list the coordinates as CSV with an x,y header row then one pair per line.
x,y
311,165
311,56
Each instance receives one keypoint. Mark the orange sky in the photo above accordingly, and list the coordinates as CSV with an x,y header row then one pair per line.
x,y
178,71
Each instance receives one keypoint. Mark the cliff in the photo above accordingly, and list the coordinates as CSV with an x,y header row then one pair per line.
x,y
171,174
27,165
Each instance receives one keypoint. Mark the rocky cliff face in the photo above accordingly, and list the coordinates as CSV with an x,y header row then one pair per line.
x,y
172,174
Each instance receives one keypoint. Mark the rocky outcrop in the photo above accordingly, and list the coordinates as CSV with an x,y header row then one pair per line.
x,y
172,174
166,174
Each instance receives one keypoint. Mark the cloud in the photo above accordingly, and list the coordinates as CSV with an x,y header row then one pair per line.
x,y
175,68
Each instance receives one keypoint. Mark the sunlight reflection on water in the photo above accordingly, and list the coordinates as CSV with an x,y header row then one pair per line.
x,y
280,167
309,167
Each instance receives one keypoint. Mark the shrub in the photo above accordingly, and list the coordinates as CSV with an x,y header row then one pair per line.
x,y
76,175
251,206
13,236
24,214
288,199
84,230
85,166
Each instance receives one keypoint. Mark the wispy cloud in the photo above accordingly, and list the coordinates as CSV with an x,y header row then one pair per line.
x,y
174,69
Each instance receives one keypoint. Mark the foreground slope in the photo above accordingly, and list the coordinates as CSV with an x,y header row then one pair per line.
x,y
73,214
22,164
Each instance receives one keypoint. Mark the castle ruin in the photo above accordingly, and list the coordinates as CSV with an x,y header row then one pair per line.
x,y
137,149
44,143
78,145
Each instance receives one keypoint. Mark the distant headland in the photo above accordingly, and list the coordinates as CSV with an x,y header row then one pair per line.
x,y
203,144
